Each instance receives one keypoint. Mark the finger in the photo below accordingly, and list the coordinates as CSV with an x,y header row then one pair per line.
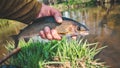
x,y
42,34
55,34
57,15
58,18
48,33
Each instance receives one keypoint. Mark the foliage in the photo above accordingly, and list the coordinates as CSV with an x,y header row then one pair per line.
x,y
80,2
39,54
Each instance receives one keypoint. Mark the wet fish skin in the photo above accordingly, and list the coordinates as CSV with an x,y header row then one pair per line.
x,y
67,27
39,24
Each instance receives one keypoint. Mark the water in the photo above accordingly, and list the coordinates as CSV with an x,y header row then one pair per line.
x,y
104,25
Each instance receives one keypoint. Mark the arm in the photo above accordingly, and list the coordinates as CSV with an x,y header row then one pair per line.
x,y
21,10
27,10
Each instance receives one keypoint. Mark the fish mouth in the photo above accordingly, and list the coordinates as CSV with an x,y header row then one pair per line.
x,y
82,33
75,34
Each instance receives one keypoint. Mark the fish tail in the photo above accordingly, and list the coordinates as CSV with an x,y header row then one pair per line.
x,y
16,40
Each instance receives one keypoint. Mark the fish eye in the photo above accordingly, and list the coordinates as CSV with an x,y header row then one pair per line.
x,y
78,28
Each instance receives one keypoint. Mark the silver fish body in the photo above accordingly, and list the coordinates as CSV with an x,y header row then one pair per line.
x,y
67,27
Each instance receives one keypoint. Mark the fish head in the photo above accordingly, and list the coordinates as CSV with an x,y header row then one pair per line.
x,y
72,29
81,29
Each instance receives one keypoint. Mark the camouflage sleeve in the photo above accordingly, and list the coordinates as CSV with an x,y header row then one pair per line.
x,y
21,10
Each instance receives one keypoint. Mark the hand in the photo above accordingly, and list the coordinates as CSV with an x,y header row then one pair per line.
x,y
47,33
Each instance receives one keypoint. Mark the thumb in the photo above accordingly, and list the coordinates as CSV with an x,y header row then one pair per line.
x,y
58,18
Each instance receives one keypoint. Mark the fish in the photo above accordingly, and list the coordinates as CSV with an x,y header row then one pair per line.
x,y
68,27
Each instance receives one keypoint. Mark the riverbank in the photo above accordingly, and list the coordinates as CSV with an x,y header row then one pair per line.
x,y
61,54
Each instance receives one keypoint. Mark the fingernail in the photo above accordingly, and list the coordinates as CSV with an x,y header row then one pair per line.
x,y
55,34
59,19
47,29
59,38
49,37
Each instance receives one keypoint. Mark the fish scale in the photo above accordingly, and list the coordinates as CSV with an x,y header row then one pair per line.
x,y
68,27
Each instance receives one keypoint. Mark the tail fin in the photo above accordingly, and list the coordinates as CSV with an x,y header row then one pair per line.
x,y
16,40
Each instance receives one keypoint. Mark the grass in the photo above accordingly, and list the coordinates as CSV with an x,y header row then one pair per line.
x,y
71,54
74,4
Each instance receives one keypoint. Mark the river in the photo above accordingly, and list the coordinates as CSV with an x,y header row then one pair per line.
x,y
104,25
